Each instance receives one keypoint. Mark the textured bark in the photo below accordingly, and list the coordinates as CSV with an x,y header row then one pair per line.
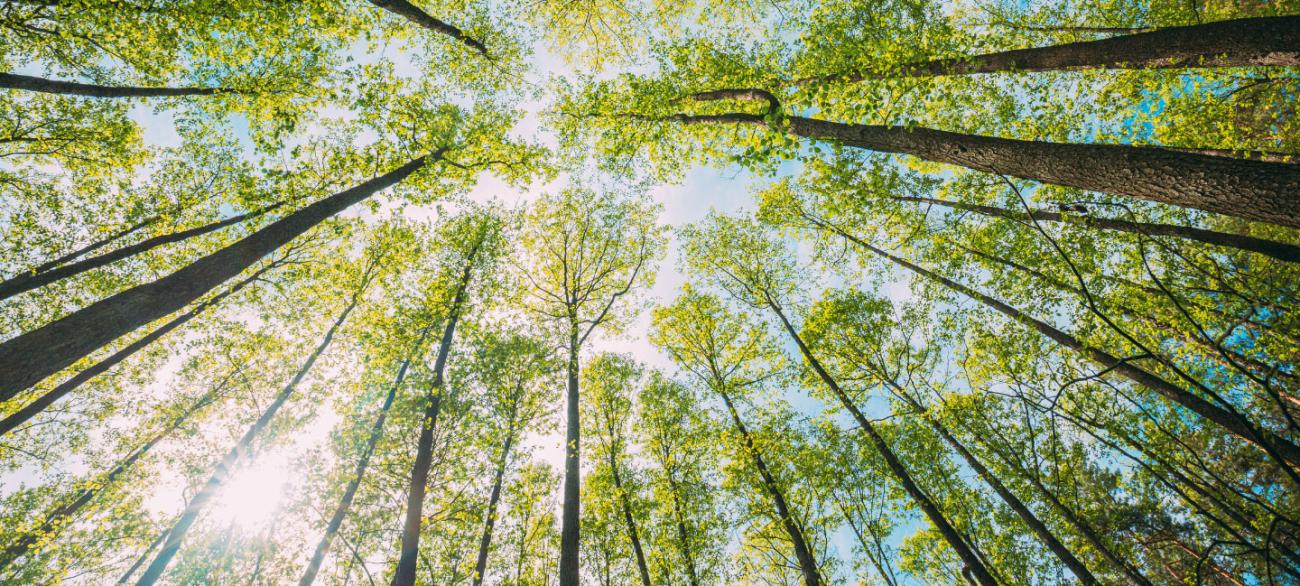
x,y
1252,190
413,13
29,83
802,553
359,470
1272,248
974,565
410,547
1035,524
32,356
43,402
1246,42
241,448
28,281
1281,449
569,528
57,518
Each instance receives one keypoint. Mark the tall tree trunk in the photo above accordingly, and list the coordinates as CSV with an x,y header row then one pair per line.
x,y
1247,42
1039,528
29,83
1252,190
359,471
955,540
244,446
410,549
683,535
1284,451
57,518
413,13
630,521
32,356
1272,248
490,519
43,402
569,529
93,246
802,553
28,281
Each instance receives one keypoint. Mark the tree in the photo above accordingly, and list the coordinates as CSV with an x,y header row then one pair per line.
x,y
587,255
610,380
729,355
474,244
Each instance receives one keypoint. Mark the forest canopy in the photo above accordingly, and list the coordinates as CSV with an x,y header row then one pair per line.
x,y
617,293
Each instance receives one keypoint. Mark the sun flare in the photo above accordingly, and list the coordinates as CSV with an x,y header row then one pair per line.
x,y
252,496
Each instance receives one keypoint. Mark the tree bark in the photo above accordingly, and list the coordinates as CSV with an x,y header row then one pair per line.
x,y
955,540
57,518
244,446
802,553
1272,248
26,282
569,528
29,83
413,13
1252,190
359,471
632,533
44,401
32,356
1281,449
1247,42
410,548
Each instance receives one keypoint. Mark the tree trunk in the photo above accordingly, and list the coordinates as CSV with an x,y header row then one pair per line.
x,y
632,533
489,520
807,563
244,446
1040,529
950,534
413,13
1282,450
1278,250
43,402
32,356
1251,190
60,516
359,471
15,81
1246,42
410,549
569,529
28,281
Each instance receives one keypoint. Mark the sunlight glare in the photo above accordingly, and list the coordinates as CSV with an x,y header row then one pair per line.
x,y
252,496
